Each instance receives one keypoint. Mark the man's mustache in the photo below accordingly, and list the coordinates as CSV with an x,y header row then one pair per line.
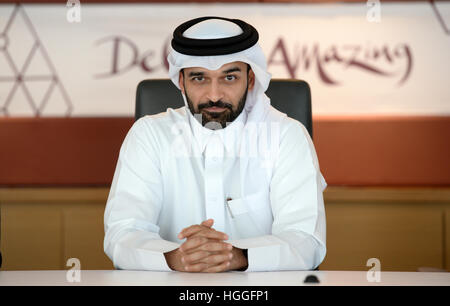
x,y
217,104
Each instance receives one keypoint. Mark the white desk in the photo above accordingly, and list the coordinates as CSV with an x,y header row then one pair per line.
x,y
286,278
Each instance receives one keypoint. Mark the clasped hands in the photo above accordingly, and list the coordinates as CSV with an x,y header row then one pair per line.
x,y
205,250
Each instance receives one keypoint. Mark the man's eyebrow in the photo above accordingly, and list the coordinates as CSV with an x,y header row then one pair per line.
x,y
200,73
232,69
195,73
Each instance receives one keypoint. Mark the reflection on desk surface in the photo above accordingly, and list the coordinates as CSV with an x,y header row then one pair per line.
x,y
282,278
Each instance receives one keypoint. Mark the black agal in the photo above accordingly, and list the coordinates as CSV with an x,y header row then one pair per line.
x,y
219,46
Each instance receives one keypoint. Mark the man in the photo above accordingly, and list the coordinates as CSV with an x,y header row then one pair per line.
x,y
226,182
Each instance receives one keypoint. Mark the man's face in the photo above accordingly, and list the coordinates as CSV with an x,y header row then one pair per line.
x,y
218,95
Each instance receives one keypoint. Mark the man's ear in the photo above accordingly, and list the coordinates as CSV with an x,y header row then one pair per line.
x,y
181,80
251,79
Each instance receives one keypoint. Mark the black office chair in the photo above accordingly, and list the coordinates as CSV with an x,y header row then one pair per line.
x,y
289,96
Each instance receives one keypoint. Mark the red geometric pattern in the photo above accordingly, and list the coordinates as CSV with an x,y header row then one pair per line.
x,y
18,81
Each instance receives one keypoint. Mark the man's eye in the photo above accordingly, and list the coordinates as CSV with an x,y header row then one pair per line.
x,y
199,78
230,77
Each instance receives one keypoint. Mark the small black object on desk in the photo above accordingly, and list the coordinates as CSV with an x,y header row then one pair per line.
x,y
311,279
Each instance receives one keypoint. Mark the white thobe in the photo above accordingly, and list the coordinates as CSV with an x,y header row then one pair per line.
x,y
158,190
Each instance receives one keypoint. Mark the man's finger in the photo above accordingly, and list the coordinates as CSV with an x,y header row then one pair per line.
x,y
218,268
191,230
204,267
208,223
211,234
200,243
196,267
193,243
195,229
210,258
216,246
193,258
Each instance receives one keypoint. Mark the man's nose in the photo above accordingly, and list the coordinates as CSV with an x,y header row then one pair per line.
x,y
215,92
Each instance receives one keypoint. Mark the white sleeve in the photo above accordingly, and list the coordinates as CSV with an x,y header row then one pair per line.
x,y
298,239
132,238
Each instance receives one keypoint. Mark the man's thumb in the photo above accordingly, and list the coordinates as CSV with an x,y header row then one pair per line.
x,y
208,222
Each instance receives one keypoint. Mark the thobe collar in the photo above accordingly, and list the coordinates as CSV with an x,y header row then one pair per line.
x,y
230,135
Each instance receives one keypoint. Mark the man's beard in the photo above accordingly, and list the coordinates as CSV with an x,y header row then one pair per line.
x,y
212,120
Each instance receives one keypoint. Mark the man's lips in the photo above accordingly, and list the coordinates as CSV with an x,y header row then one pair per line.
x,y
214,109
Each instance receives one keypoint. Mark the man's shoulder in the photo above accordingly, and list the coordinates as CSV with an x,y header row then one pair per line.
x,y
287,124
292,130
162,121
